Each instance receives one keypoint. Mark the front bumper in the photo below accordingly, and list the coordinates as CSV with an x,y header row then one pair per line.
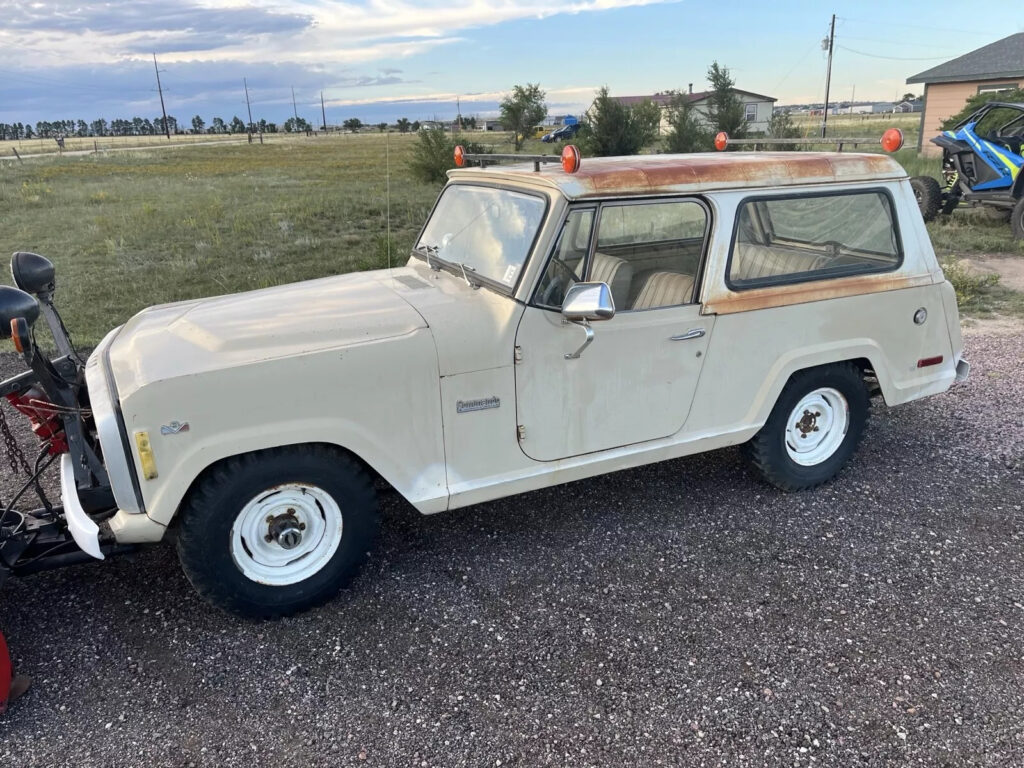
x,y
83,530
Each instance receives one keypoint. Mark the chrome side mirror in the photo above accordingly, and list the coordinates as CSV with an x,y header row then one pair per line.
x,y
587,302
583,303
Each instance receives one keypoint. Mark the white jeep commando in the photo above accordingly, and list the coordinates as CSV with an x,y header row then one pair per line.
x,y
551,324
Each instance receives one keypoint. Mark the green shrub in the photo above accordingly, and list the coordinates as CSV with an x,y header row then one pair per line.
x,y
970,286
611,128
687,132
434,155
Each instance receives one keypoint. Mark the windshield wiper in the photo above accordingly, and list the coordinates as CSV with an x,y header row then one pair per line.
x,y
465,277
430,251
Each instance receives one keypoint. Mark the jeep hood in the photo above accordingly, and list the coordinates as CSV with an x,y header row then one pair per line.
x,y
193,337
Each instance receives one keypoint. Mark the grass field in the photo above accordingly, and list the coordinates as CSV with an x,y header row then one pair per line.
x,y
131,229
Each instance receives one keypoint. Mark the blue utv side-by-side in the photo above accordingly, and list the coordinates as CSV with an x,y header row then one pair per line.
x,y
982,157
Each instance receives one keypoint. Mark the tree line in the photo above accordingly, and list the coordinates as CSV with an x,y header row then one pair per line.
x,y
136,126
144,126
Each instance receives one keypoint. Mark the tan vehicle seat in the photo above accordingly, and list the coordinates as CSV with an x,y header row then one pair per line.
x,y
616,272
751,261
664,289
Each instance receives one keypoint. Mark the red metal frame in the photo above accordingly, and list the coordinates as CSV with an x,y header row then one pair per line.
x,y
5,673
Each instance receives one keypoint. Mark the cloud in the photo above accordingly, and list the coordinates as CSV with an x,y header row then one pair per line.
x,y
109,18
94,56
91,31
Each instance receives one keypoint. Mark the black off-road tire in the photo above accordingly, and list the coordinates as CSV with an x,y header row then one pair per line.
x,y
206,521
928,194
767,449
1017,220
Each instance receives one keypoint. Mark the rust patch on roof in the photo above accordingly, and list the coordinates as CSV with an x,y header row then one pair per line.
x,y
682,174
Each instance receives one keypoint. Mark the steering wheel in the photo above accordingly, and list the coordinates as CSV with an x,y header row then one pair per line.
x,y
550,290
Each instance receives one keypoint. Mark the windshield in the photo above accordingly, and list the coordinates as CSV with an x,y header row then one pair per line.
x,y
488,231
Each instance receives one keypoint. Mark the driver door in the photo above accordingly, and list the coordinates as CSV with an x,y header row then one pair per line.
x,y
636,380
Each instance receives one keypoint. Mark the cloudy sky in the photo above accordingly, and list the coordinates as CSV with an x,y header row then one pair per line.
x,y
384,59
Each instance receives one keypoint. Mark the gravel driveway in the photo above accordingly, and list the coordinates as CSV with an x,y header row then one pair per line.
x,y
678,614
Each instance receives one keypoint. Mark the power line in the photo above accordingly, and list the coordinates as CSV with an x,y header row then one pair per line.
x,y
960,31
38,80
894,58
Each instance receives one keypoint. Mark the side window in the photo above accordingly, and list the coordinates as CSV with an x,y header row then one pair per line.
x,y
568,262
750,113
813,237
649,253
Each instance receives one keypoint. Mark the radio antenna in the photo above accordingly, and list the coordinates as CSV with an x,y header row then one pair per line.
x,y
387,190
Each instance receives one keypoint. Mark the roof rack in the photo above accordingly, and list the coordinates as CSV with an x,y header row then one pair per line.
x,y
570,158
891,141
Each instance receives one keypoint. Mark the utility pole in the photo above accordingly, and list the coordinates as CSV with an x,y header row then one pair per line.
x,y
829,43
295,110
247,105
853,94
323,111
458,109
161,90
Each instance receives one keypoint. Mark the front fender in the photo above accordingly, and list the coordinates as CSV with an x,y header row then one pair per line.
x,y
379,400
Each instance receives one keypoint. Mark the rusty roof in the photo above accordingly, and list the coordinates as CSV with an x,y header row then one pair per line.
x,y
698,172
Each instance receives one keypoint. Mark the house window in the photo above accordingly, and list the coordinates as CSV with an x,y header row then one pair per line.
x,y
997,87
813,237
751,113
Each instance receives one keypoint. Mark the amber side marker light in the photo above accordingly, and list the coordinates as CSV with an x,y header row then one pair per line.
x,y
460,156
15,335
924,362
721,140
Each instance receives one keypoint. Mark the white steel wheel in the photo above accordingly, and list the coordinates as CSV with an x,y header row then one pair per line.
x,y
817,426
286,534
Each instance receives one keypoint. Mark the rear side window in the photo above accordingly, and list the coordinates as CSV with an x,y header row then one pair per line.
x,y
813,237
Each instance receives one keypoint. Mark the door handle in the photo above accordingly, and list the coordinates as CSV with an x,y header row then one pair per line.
x,y
693,333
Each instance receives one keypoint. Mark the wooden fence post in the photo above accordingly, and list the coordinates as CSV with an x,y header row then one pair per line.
x,y
15,151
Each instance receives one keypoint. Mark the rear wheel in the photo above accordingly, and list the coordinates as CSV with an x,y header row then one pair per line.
x,y
928,194
814,428
1017,220
275,532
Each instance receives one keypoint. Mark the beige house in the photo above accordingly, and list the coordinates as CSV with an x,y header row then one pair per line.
x,y
998,66
757,108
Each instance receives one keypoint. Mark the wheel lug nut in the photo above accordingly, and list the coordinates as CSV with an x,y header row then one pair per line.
x,y
302,526
270,518
268,538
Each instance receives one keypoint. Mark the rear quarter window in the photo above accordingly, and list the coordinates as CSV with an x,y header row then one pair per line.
x,y
796,238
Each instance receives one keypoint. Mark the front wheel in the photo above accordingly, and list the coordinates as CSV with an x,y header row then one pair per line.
x,y
274,532
814,428
1017,220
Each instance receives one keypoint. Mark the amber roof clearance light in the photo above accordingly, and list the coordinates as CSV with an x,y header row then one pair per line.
x,y
892,140
460,156
570,158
